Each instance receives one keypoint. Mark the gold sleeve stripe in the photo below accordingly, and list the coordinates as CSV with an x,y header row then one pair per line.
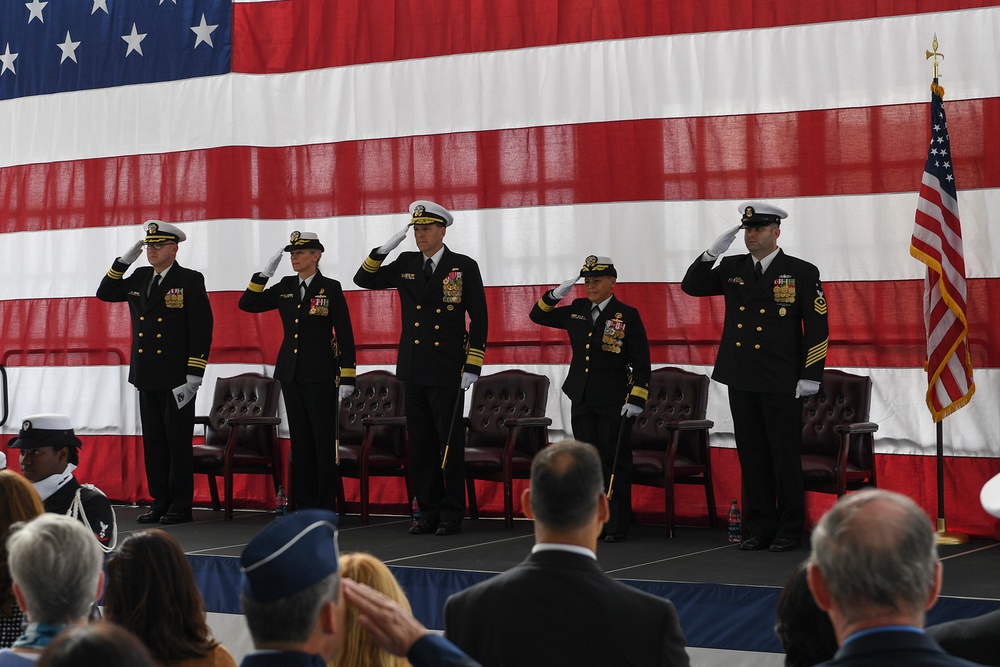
x,y
544,306
255,287
348,373
371,265
195,362
116,275
640,392
473,359
475,352
817,353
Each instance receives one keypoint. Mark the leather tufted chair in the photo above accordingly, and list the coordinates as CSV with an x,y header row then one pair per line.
x,y
506,427
670,438
373,433
240,434
838,448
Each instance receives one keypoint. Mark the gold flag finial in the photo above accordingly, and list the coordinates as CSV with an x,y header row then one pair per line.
x,y
935,55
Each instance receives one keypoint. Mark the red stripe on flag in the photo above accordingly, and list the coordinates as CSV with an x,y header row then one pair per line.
x,y
870,326
270,37
673,159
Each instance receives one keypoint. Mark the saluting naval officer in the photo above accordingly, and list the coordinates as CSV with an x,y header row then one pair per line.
x,y
772,354
608,379
437,356
318,347
171,337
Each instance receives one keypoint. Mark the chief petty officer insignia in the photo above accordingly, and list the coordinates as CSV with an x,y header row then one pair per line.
x,y
174,298
451,286
819,303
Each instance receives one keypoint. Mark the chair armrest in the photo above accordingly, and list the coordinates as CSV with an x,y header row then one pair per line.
x,y
516,422
383,421
860,427
689,424
204,420
253,421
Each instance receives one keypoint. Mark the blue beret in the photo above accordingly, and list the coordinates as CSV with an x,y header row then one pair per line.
x,y
290,555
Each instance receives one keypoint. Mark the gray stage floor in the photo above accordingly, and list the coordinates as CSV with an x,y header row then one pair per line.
x,y
694,555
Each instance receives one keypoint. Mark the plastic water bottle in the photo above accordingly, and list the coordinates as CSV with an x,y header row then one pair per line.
x,y
415,512
735,523
280,502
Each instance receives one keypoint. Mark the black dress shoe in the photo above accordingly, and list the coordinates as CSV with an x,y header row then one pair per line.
x,y
449,528
423,527
784,544
614,537
753,543
172,518
148,517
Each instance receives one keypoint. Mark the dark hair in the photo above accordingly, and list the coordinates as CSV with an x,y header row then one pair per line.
x,y
803,628
151,592
102,644
18,502
566,481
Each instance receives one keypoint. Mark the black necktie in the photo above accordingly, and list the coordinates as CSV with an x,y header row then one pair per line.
x,y
595,312
154,285
757,270
302,290
429,267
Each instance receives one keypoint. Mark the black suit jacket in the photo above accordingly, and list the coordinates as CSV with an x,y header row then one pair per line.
x,y
319,339
775,331
100,514
171,330
434,346
973,639
893,647
610,361
560,608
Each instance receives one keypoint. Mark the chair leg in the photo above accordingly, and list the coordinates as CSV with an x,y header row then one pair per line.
x,y
228,488
713,520
668,497
508,503
363,485
470,486
213,490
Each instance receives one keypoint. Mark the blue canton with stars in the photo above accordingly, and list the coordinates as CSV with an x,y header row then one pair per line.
x,y
939,155
54,46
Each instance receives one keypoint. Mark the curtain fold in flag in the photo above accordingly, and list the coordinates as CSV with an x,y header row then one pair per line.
x,y
937,242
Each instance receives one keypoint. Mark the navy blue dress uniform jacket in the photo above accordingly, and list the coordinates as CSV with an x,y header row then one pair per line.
x,y
319,341
560,608
434,347
100,514
775,331
889,648
610,363
171,330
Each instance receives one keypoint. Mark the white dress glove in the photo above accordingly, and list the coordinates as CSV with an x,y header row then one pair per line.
x,y
630,410
396,239
806,388
468,379
564,287
272,264
132,253
722,243
185,393
345,391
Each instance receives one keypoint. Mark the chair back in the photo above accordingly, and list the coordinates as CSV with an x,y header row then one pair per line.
x,y
843,398
376,394
674,394
502,396
245,395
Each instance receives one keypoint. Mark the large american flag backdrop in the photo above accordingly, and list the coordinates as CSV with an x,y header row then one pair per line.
x,y
554,129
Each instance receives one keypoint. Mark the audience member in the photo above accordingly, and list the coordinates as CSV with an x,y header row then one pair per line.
x,y
55,564
49,455
875,570
360,649
152,593
294,602
99,645
18,502
558,607
803,628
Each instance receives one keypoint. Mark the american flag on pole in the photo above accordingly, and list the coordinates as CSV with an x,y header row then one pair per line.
x,y
937,242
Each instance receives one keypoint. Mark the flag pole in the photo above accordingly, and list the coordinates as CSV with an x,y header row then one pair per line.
x,y
944,536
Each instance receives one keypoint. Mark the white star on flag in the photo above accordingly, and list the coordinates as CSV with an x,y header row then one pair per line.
x,y
8,58
134,41
68,49
204,33
100,4
35,10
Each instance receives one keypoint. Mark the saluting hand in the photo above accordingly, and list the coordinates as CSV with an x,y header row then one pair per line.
x,y
272,264
394,241
132,253
722,243
564,287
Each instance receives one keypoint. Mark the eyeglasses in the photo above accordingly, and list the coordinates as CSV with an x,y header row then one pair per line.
x,y
158,246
